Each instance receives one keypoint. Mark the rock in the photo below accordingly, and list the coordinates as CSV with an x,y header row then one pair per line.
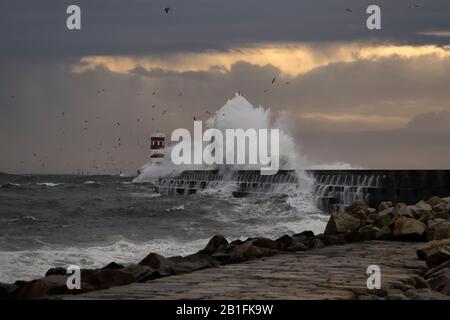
x,y
424,294
402,210
440,215
446,199
384,219
446,289
104,279
438,229
424,251
358,236
384,205
307,234
300,246
193,262
316,243
434,201
420,208
431,272
330,240
141,273
419,282
266,243
441,207
342,223
356,206
437,256
157,262
439,279
56,272
7,291
248,251
50,285
409,229
113,266
216,243
284,242
384,233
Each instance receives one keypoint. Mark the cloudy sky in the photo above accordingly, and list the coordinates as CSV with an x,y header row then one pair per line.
x,y
89,99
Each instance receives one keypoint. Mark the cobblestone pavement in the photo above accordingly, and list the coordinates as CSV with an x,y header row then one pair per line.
x,y
333,272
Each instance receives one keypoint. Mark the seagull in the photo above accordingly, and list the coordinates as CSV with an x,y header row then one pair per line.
x,y
167,10
154,93
266,90
274,79
414,6
348,10
180,94
164,112
287,82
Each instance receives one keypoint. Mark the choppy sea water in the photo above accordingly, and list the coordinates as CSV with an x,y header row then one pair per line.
x,y
48,221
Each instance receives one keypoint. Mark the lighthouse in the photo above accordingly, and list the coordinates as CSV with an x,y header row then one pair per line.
x,y
157,144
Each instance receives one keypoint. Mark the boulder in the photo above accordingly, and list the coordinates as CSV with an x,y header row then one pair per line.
x,y
358,206
437,256
409,229
104,279
384,218
438,229
307,234
434,201
56,272
248,251
113,266
284,242
360,235
402,210
193,262
446,289
424,251
141,273
439,280
420,208
384,233
266,243
331,240
7,290
157,262
342,223
215,244
299,246
50,285
384,205
316,243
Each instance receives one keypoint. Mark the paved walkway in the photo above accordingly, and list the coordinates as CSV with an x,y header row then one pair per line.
x,y
333,272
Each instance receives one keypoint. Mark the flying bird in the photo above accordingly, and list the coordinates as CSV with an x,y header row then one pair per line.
x,y
266,90
414,6
274,79
167,10
348,10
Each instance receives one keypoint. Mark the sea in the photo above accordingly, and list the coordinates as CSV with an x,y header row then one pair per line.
x,y
59,220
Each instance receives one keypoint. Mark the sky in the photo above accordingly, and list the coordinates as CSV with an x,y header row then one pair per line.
x,y
88,100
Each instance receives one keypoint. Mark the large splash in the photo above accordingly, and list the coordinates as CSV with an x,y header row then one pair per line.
x,y
237,113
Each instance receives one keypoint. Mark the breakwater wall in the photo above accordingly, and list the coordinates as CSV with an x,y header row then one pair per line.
x,y
333,189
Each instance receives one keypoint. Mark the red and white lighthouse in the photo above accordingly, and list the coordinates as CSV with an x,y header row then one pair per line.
x,y
157,145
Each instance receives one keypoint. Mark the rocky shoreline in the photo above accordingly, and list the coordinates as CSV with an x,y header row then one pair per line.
x,y
427,222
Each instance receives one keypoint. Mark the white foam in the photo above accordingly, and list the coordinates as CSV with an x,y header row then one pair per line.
x,y
48,184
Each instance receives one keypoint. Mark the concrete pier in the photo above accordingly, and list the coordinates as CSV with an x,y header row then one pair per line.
x,y
333,272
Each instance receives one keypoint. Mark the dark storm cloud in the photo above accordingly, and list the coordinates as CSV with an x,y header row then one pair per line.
x,y
33,121
138,27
